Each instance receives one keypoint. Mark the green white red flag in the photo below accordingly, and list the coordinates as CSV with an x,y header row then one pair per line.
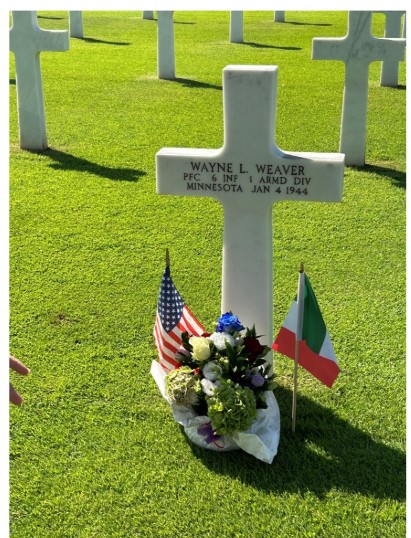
x,y
315,350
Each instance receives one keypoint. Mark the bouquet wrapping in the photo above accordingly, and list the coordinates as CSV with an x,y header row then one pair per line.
x,y
221,392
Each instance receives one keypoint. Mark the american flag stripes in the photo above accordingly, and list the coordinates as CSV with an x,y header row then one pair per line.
x,y
173,317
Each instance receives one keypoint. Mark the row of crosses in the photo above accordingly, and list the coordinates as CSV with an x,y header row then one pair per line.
x,y
357,50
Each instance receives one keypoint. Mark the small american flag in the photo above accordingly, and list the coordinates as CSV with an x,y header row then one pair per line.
x,y
173,317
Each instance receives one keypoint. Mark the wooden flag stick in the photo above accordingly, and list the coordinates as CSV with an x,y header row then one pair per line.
x,y
167,258
294,408
298,338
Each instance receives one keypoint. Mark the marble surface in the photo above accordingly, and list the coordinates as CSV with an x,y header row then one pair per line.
x,y
389,68
76,24
27,40
236,26
247,175
166,68
357,50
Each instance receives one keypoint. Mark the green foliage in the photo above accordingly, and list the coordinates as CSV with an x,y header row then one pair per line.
x,y
231,408
94,450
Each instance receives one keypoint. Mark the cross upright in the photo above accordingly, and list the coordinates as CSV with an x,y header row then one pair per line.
x,y
236,27
247,175
27,40
166,68
76,24
357,50
389,69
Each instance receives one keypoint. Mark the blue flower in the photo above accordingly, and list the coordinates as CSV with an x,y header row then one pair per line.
x,y
228,323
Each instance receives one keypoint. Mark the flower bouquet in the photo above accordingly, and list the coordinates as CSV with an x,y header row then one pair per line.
x,y
221,392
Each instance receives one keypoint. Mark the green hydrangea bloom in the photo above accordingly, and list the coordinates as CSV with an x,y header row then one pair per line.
x,y
182,386
231,408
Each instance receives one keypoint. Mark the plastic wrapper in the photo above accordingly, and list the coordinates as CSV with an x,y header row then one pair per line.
x,y
261,440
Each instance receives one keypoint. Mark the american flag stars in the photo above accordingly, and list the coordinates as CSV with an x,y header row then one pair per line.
x,y
173,318
170,303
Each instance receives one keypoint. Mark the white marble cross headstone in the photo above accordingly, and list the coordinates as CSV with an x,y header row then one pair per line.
x,y
27,40
148,15
166,68
389,68
76,24
247,175
357,50
279,16
236,26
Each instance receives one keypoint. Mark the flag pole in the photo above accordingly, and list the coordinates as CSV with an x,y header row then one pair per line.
x,y
298,338
167,258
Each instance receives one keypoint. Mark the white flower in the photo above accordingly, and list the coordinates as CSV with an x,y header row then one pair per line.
x,y
208,386
219,340
211,370
201,348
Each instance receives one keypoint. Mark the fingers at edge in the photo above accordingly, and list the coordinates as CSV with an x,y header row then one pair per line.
x,y
18,366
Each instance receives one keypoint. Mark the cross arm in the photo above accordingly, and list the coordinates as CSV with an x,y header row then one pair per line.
x,y
53,40
329,49
261,179
182,170
326,174
25,34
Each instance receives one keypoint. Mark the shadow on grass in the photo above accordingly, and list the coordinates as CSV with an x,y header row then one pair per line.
x,y
325,453
262,46
66,161
189,83
51,18
174,22
12,81
401,87
298,23
398,178
93,40
183,22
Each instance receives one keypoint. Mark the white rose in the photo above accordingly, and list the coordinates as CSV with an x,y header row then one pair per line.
x,y
219,340
201,348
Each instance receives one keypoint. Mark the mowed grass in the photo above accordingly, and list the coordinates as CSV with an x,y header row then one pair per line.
x,y
94,449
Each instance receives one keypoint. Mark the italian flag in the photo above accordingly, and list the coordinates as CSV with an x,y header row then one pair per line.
x,y
315,350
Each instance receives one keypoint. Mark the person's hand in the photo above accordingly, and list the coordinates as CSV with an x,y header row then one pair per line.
x,y
22,369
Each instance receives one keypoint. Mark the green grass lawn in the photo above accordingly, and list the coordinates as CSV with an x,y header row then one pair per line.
x,y
94,450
